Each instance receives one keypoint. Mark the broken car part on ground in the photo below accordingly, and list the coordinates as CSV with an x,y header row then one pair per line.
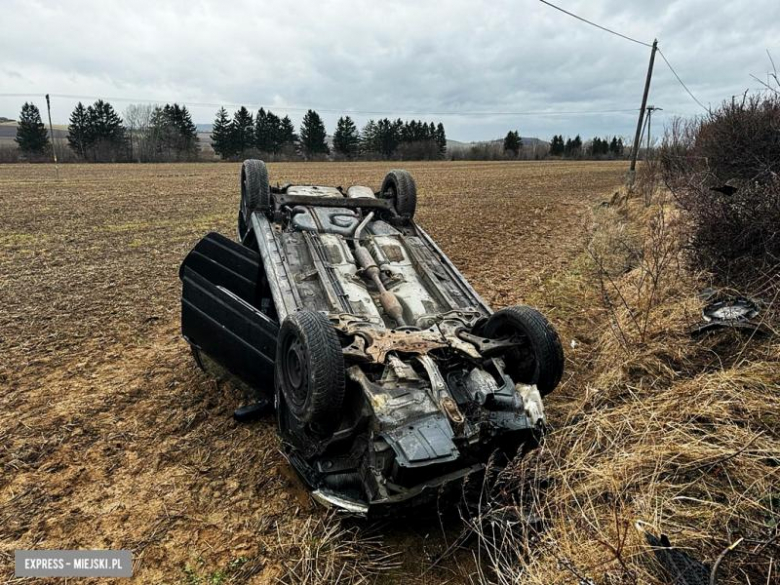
x,y
392,378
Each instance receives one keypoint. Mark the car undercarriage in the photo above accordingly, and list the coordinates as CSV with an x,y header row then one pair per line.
x,y
392,379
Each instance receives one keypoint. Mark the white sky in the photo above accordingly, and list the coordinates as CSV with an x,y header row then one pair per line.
x,y
392,57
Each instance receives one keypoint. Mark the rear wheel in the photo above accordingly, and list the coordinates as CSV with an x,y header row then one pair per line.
x,y
539,359
310,371
400,188
255,193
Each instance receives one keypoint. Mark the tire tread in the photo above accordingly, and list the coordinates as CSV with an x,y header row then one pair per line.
x,y
548,350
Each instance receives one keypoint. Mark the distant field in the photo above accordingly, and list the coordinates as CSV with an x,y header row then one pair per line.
x,y
111,437
8,132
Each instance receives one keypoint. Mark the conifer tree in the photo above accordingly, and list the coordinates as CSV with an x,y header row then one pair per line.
x,y
274,124
187,139
221,135
288,135
242,132
613,145
79,132
441,139
597,147
368,139
512,143
271,133
313,135
173,134
263,131
31,135
616,147
107,132
556,145
388,136
567,148
576,145
346,139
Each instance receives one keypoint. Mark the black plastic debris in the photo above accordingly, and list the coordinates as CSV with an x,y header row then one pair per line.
x,y
725,311
725,189
682,568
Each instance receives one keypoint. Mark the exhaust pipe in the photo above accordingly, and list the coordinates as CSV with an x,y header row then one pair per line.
x,y
366,261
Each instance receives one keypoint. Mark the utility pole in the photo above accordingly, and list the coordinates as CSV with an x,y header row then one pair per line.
x,y
650,110
51,131
639,123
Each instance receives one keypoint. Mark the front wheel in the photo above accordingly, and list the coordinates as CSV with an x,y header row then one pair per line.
x,y
310,371
539,357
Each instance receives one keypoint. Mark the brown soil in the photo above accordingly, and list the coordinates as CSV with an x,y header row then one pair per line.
x,y
109,435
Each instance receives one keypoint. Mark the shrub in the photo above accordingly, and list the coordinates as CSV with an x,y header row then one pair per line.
x,y
741,140
723,170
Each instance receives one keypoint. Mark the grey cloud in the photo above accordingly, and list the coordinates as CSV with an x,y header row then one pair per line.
x,y
396,56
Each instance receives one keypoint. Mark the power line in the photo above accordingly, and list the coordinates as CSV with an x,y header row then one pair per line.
x,y
594,24
685,87
346,112
630,39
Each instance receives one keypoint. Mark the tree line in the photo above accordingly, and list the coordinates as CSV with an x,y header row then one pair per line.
x,y
97,133
512,147
270,137
151,133
595,148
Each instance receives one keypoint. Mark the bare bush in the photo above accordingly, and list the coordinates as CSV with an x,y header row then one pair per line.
x,y
723,170
741,140
478,151
635,258
735,236
9,153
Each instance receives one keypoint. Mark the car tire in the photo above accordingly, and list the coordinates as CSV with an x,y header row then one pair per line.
x,y
255,188
310,371
540,360
400,188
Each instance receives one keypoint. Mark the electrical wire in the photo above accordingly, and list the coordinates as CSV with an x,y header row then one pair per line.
x,y
345,112
594,24
685,87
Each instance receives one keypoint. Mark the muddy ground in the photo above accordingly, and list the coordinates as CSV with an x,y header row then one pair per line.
x,y
109,435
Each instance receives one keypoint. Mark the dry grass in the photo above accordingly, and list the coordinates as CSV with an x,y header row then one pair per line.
x,y
680,434
325,551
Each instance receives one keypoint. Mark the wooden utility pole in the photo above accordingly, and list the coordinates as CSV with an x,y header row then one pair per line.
x,y
51,131
650,110
639,123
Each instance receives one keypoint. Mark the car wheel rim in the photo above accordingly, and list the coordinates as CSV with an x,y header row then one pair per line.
x,y
295,372
391,194
522,362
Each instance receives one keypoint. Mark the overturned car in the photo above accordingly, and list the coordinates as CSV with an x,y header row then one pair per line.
x,y
391,378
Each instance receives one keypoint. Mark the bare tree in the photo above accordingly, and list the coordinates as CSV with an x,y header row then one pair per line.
x,y
138,120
